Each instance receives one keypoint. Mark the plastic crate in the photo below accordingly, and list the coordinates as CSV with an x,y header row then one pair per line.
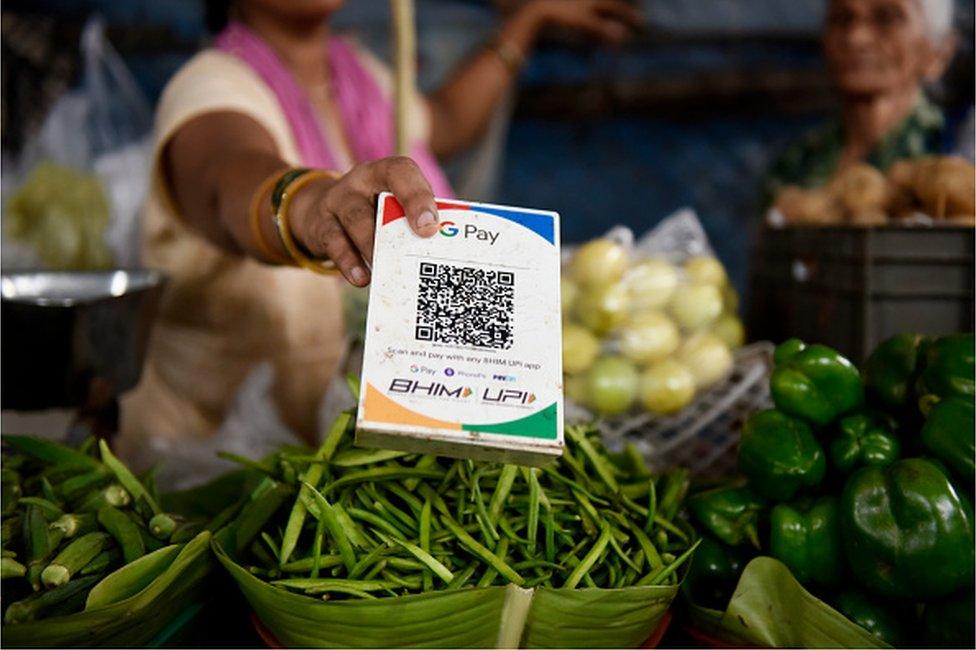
x,y
851,288
702,436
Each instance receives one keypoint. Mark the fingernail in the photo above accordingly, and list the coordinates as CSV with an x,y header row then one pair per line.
x,y
426,220
359,275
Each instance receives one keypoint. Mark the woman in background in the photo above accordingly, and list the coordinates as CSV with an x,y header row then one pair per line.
x,y
280,115
880,54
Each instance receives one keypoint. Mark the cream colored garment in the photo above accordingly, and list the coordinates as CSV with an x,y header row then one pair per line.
x,y
221,314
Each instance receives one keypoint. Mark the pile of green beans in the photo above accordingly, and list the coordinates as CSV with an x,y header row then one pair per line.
x,y
369,523
70,518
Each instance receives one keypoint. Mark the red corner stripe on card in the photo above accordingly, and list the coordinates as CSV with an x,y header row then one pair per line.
x,y
392,210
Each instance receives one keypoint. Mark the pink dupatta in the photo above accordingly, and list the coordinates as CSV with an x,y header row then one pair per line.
x,y
366,112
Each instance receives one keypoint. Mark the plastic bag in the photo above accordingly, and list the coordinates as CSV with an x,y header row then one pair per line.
x,y
647,324
100,131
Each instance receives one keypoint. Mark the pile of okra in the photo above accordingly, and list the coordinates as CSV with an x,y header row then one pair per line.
x,y
70,517
374,523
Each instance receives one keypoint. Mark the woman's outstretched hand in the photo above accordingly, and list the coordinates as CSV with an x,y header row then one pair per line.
x,y
612,21
337,219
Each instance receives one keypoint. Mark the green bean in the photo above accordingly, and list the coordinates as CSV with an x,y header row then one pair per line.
x,y
322,585
589,559
376,520
266,499
312,476
427,559
462,577
660,576
425,462
407,582
355,457
671,528
481,552
615,545
533,520
367,561
651,506
409,499
600,464
382,474
332,523
306,564
377,569
425,513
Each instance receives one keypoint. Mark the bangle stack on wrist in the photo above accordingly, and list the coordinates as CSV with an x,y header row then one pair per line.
x,y
285,188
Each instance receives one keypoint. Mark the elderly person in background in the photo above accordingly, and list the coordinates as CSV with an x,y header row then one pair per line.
x,y
880,54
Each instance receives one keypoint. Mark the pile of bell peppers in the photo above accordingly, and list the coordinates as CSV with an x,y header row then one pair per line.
x,y
862,484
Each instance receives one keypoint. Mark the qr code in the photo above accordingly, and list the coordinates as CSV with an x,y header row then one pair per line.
x,y
463,305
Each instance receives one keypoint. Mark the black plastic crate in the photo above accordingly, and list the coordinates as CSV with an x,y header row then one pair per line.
x,y
851,288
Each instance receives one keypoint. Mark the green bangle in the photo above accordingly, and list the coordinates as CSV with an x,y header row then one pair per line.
x,y
281,186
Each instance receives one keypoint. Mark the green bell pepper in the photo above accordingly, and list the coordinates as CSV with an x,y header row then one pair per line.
x,y
713,573
907,532
948,435
729,513
814,382
863,440
948,371
874,615
780,455
949,623
805,537
892,369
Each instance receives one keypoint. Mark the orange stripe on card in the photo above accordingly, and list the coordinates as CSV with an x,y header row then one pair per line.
x,y
377,407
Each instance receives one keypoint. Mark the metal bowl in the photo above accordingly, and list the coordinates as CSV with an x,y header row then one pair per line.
x,y
67,334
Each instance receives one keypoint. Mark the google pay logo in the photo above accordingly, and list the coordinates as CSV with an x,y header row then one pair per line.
x,y
449,229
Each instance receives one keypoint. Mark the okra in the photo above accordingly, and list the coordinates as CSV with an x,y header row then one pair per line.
x,y
49,509
127,479
11,568
125,532
111,495
71,524
102,562
72,558
50,452
162,525
44,603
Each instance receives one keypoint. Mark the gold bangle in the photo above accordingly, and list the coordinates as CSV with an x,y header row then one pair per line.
x,y
255,216
510,55
325,267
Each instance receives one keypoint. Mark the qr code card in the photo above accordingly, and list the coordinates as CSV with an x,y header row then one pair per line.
x,y
463,336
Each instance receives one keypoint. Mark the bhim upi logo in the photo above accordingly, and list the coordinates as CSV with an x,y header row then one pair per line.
x,y
448,229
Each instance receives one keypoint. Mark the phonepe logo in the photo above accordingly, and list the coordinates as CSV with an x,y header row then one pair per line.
x,y
468,231
430,389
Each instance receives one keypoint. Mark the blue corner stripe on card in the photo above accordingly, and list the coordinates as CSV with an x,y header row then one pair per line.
x,y
541,224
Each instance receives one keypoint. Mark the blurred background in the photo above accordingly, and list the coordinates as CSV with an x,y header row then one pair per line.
x,y
688,114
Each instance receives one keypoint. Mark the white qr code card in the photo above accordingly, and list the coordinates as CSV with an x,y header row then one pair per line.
x,y
463,352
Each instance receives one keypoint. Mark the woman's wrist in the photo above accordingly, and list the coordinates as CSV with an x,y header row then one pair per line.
x,y
522,28
305,213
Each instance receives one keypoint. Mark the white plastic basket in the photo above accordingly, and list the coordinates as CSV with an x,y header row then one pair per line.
x,y
703,435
